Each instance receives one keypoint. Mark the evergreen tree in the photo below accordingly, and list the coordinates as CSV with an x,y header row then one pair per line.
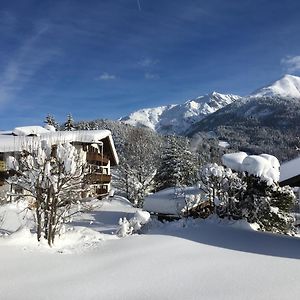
x,y
69,124
50,120
268,205
178,164
242,196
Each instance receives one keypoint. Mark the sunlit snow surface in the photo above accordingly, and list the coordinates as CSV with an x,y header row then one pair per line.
x,y
287,86
187,259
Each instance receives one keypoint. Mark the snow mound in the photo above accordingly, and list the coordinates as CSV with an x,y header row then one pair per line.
x,y
261,167
234,160
142,216
14,216
134,225
265,166
73,240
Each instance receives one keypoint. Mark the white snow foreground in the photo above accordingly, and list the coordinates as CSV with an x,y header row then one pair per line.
x,y
83,233
190,259
264,166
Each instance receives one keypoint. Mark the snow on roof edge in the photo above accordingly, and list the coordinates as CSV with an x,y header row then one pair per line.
x,y
10,143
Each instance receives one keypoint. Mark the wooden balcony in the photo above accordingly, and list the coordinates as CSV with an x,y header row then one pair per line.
x,y
101,192
98,178
96,158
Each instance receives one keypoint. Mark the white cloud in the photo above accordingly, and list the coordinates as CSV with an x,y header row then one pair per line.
x,y
151,76
291,63
24,64
106,76
148,62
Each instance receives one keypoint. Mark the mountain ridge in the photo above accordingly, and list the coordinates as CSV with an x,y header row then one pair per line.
x,y
181,118
288,86
177,118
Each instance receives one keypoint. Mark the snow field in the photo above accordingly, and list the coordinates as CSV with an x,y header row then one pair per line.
x,y
188,259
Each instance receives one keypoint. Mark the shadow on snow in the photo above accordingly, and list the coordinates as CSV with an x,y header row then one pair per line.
x,y
237,239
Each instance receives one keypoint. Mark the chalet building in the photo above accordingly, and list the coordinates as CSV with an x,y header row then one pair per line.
x,y
290,175
98,145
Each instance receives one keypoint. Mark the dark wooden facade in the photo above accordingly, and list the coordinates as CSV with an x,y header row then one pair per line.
x,y
293,181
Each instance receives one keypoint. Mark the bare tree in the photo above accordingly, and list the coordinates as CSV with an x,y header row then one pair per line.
x,y
138,164
52,178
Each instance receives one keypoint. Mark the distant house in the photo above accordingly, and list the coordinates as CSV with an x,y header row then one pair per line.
x,y
98,145
290,173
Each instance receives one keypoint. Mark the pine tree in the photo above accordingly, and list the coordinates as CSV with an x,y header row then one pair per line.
x,y
178,167
69,124
242,196
268,205
50,120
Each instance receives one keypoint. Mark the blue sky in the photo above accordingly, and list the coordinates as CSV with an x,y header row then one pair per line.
x,y
107,58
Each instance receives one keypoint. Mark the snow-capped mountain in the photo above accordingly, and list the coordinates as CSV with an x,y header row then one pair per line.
x,y
288,87
267,120
177,118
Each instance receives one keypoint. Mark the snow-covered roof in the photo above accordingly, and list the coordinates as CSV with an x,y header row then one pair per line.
x,y
171,201
29,130
10,143
290,169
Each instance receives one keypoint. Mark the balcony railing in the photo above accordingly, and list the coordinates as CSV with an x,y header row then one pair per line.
x,y
96,158
98,178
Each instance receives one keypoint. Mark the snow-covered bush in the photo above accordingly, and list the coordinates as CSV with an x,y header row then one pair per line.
x,y
128,227
239,195
52,179
223,188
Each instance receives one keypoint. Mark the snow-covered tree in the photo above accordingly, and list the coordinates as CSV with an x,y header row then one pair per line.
x,y
178,164
138,164
223,188
52,179
239,195
269,205
50,120
69,124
